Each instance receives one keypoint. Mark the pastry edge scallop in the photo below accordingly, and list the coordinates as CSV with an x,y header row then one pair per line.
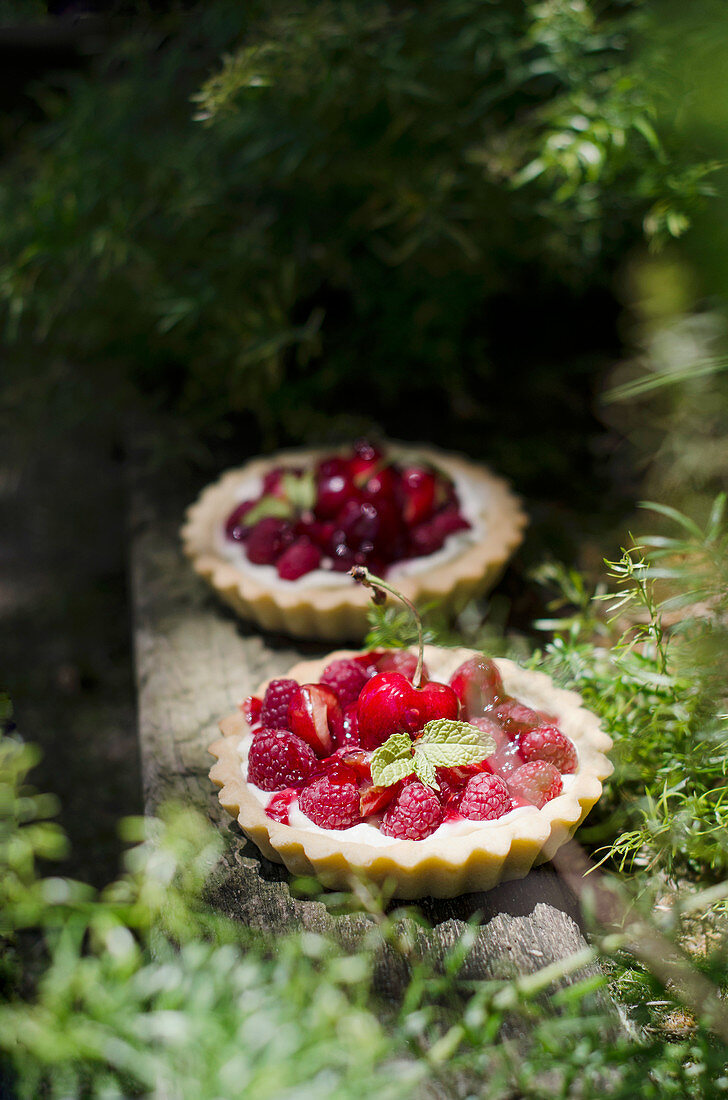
x,y
335,614
439,868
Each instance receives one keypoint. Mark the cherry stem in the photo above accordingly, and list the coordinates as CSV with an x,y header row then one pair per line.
x,y
361,574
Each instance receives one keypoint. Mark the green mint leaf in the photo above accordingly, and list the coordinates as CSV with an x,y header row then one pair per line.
x,y
300,489
396,749
452,756
447,743
268,506
392,773
448,731
425,771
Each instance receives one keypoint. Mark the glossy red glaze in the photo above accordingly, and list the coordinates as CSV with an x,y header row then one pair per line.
x,y
478,685
317,718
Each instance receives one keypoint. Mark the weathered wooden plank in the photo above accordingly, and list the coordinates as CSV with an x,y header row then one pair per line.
x,y
194,664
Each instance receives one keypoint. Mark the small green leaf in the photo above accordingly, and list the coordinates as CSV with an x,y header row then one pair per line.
x,y
268,507
396,749
448,731
300,489
424,769
447,743
453,756
392,773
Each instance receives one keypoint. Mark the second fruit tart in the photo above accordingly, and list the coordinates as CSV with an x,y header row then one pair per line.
x,y
276,537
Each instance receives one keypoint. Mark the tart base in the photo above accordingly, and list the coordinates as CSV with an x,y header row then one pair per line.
x,y
339,613
439,867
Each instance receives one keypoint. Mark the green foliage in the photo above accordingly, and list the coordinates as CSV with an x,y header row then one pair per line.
x,y
143,990
661,693
344,200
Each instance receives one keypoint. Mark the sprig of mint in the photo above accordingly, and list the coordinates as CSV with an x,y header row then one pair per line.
x,y
268,507
444,743
299,495
300,489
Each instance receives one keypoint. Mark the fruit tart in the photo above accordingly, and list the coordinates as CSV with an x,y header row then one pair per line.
x,y
429,771
277,536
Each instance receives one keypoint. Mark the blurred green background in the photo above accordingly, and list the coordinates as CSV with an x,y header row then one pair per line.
x,y
224,227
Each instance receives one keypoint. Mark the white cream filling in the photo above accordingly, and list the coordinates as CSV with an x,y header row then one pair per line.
x,y
474,504
368,832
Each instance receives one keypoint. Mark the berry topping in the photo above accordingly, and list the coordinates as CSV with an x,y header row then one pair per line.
x,y
430,536
251,707
279,759
415,813
235,527
507,756
346,677
301,557
515,717
267,540
349,736
360,509
387,704
375,799
477,684
537,782
279,696
280,804
550,744
418,488
436,701
316,717
485,798
331,805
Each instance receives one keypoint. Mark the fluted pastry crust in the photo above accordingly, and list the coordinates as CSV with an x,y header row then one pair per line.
x,y
438,867
340,612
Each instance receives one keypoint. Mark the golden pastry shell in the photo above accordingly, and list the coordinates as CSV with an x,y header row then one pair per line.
x,y
438,867
340,612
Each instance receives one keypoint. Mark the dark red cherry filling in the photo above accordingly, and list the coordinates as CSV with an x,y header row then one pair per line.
x,y
357,509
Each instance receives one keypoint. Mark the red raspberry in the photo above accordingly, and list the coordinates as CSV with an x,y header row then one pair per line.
x,y
346,677
549,743
537,782
486,797
277,701
268,539
279,759
301,557
452,780
415,813
331,805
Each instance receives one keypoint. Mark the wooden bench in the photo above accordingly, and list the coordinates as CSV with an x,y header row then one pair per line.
x,y
195,662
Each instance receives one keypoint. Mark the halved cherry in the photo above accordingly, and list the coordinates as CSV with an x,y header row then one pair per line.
x,y
375,799
251,707
316,718
417,487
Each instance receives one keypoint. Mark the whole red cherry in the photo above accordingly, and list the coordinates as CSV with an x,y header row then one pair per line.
x,y
477,684
389,704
